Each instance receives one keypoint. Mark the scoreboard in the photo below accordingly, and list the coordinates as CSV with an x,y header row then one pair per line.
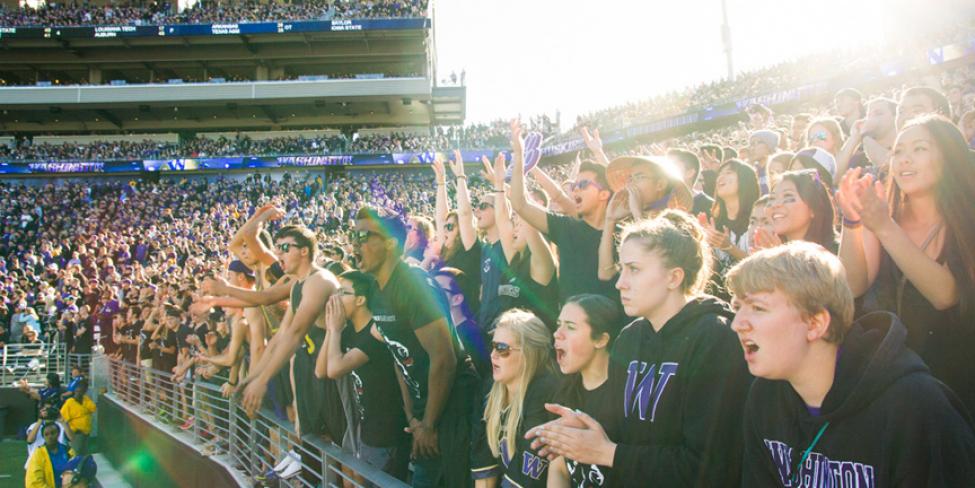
x,y
183,30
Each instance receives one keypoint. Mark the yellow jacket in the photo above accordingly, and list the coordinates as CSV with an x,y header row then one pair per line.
x,y
78,415
40,471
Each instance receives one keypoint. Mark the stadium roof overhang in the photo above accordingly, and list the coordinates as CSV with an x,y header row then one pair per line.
x,y
261,105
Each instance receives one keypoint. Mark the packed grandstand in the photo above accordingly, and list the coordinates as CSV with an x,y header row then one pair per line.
x,y
375,292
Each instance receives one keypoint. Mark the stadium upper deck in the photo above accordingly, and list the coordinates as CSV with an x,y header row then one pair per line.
x,y
275,70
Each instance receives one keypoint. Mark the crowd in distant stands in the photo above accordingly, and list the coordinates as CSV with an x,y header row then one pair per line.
x,y
151,12
473,136
807,69
54,80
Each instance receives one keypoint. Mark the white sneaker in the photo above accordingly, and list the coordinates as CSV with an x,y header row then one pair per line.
x,y
286,461
292,469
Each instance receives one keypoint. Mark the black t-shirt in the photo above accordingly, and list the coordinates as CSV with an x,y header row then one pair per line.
x,y
469,261
518,290
494,267
596,405
130,331
166,361
377,396
144,340
578,258
702,204
409,301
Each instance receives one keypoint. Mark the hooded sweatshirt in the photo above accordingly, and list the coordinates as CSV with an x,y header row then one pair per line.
x,y
890,422
682,391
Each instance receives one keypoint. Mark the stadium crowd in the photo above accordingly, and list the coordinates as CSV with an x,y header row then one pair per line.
x,y
601,323
784,301
490,135
75,13
53,79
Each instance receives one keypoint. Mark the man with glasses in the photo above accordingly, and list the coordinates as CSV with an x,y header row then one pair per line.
x,y
353,349
577,238
315,399
437,381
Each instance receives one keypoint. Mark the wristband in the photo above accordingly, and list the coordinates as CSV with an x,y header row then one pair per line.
x,y
851,224
461,177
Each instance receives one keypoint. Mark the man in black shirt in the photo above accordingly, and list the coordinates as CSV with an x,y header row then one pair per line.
x,y
312,288
353,348
437,381
577,238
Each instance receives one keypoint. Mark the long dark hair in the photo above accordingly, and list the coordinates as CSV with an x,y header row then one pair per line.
x,y
748,192
953,198
814,193
605,316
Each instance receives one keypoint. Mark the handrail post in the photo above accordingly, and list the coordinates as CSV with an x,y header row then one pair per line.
x,y
195,392
231,430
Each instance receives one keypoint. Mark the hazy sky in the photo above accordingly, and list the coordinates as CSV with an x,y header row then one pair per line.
x,y
533,56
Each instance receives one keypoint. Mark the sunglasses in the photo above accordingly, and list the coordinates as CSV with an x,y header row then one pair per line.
x,y
503,349
287,246
583,184
450,227
818,136
363,235
484,206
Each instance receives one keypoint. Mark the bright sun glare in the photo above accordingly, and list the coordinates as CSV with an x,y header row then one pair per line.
x,y
538,56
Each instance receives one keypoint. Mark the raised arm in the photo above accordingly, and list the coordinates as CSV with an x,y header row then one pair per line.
x,y
443,201
595,145
529,212
502,218
465,213
552,187
269,296
247,235
615,211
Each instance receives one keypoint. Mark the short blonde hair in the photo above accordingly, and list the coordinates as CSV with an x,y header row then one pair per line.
x,y
812,278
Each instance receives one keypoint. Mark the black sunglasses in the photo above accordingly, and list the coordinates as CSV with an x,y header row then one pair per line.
x,y
583,184
503,349
450,227
287,246
485,205
363,235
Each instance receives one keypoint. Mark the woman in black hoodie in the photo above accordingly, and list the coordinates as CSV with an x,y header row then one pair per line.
x,y
683,382
835,404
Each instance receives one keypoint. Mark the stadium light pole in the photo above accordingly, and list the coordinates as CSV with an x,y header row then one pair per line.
x,y
726,40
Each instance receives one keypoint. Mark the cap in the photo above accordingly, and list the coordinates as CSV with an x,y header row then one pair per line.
x,y
821,157
619,171
768,137
238,266
84,467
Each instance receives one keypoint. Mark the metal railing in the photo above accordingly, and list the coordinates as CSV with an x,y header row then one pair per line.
x,y
31,362
221,429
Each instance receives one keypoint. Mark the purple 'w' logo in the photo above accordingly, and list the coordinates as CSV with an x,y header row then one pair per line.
x,y
643,390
